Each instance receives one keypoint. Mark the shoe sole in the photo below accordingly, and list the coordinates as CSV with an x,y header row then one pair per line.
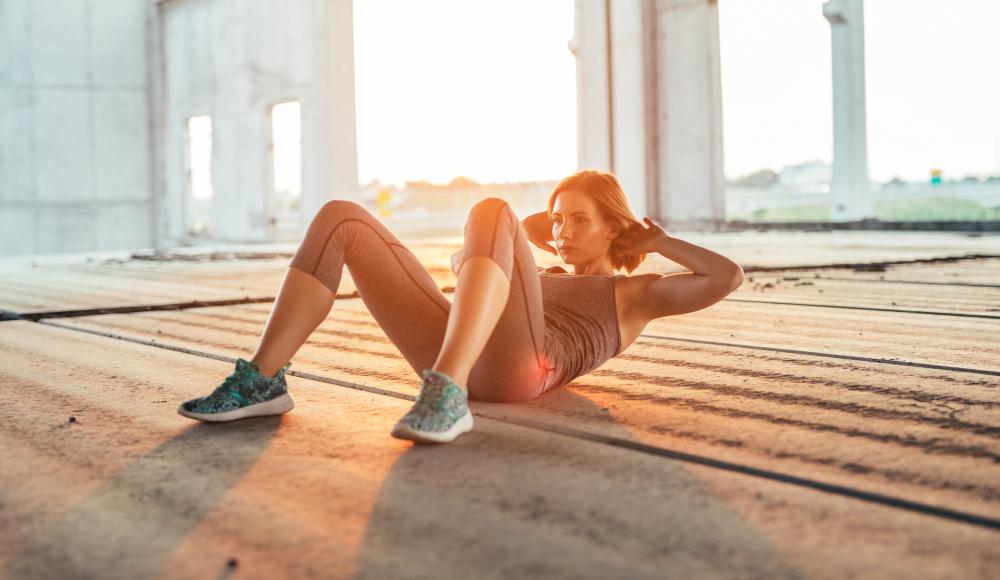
x,y
403,431
276,406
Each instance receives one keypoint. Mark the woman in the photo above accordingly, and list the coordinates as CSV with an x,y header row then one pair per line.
x,y
513,330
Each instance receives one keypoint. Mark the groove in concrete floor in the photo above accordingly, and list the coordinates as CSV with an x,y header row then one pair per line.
x,y
853,493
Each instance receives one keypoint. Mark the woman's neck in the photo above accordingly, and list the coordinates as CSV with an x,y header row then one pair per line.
x,y
602,268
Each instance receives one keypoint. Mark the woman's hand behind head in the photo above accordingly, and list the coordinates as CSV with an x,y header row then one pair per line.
x,y
639,239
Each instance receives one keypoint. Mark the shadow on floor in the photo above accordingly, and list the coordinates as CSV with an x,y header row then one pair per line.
x,y
129,525
495,504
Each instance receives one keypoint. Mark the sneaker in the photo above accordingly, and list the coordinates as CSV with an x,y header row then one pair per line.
x,y
244,393
439,414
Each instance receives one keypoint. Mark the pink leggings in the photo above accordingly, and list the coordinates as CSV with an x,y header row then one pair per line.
x,y
412,310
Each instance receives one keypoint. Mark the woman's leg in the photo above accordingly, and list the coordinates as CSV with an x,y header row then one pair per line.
x,y
397,289
504,357
480,295
399,292
411,309
302,303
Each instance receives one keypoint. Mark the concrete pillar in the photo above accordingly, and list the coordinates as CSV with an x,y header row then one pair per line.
x,y
850,189
628,105
689,114
649,104
329,131
589,46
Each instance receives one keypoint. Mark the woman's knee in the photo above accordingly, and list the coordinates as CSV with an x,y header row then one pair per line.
x,y
489,233
343,221
336,213
338,207
489,206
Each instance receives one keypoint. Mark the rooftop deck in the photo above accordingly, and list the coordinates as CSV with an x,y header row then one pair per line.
x,y
837,416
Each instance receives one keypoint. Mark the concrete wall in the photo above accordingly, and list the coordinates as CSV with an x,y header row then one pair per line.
x,y
95,97
74,126
233,61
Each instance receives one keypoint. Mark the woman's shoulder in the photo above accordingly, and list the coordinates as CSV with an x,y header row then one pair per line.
x,y
633,287
638,281
552,270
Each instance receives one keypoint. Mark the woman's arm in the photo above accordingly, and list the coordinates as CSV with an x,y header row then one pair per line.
x,y
538,224
695,258
538,228
712,278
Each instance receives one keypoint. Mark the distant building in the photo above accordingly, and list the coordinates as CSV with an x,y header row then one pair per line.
x,y
762,179
812,175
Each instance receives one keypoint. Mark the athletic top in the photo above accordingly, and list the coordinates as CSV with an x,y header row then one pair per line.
x,y
581,322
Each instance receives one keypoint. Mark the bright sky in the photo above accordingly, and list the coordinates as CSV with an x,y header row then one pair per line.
x,y
478,88
932,86
487,89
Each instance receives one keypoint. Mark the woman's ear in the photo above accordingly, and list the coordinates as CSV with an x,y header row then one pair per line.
x,y
615,231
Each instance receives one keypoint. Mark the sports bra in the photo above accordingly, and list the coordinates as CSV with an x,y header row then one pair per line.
x,y
581,322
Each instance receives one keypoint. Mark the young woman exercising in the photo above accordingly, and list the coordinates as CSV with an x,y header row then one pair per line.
x,y
513,330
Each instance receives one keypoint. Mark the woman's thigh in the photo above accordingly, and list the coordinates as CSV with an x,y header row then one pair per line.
x,y
396,288
513,365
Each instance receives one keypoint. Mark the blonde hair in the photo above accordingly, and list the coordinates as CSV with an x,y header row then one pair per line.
x,y
603,188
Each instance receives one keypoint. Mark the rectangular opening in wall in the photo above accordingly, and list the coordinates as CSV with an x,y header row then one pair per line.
x,y
199,172
286,169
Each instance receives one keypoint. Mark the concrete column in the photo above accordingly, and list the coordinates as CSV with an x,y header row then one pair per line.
x,y
628,105
689,103
850,189
329,131
589,45
159,222
649,104
611,94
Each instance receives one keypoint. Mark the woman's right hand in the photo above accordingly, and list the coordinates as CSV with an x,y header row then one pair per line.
x,y
544,244
538,230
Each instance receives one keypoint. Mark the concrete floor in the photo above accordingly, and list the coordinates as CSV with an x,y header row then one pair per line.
x,y
818,423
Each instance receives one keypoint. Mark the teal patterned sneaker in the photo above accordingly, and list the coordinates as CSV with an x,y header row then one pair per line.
x,y
244,393
440,413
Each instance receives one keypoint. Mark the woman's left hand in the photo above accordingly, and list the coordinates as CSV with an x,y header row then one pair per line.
x,y
642,240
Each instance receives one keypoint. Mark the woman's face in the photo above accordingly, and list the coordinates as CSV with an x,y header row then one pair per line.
x,y
580,233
